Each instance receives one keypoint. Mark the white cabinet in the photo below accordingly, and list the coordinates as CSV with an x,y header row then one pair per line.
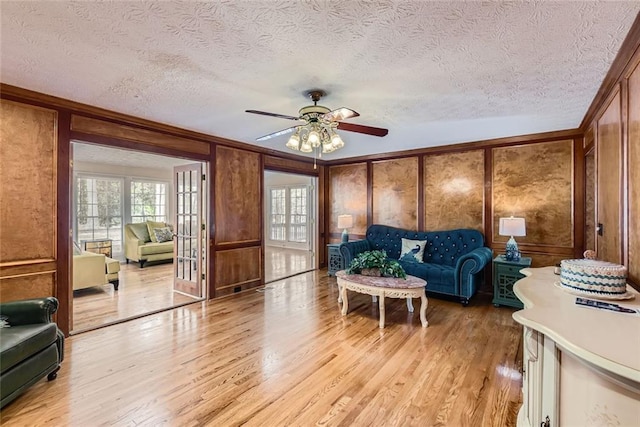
x,y
581,366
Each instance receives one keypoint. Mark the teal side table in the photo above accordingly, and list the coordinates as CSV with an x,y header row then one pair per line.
x,y
505,275
336,263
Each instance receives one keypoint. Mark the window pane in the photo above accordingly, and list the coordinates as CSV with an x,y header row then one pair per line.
x,y
148,200
298,215
99,210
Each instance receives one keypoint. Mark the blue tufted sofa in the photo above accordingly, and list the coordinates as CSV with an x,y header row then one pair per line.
x,y
453,259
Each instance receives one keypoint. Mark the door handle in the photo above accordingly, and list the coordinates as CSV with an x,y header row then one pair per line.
x,y
600,229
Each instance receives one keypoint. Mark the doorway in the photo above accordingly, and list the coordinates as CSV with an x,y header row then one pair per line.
x,y
128,214
290,206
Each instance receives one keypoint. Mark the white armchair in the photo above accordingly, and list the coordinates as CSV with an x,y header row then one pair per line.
x,y
91,269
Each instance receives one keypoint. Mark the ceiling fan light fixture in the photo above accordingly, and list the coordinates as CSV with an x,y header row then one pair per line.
x,y
318,134
294,141
314,138
305,147
336,142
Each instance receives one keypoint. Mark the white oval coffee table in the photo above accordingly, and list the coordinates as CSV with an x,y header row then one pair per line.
x,y
381,287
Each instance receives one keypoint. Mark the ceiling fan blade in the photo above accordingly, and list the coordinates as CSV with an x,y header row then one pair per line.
x,y
339,114
264,113
278,133
369,130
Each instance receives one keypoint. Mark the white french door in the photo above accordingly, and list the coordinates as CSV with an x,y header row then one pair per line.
x,y
188,249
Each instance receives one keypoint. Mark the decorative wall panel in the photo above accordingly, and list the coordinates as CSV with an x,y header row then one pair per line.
x,y
608,158
280,163
29,286
454,191
395,193
237,267
590,202
238,183
28,190
348,195
535,181
633,226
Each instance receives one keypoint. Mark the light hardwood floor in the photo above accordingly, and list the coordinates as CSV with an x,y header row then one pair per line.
x,y
280,263
286,356
141,291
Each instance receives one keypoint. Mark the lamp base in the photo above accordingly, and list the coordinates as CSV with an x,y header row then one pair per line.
x,y
512,252
345,236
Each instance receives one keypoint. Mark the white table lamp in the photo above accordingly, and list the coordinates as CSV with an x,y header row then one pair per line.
x,y
512,227
344,222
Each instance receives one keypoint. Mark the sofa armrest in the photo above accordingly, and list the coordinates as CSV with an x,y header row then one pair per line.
x,y
29,311
469,265
350,250
132,244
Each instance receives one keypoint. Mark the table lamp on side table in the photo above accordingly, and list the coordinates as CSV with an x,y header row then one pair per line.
x,y
344,222
512,227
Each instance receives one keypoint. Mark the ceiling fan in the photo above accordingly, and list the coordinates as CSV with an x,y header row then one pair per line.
x,y
320,124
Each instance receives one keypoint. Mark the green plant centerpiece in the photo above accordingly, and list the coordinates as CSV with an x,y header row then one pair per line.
x,y
376,263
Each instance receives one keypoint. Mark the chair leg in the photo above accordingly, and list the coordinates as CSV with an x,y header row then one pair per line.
x,y
115,284
127,260
141,263
53,375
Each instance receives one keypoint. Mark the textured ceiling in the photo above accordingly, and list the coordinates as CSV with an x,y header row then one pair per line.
x,y
433,73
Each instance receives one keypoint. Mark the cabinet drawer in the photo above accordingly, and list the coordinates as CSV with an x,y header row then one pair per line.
x,y
511,270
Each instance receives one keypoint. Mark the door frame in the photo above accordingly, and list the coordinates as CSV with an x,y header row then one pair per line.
x,y
206,218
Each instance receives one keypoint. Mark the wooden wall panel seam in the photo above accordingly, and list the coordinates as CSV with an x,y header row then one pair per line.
x,y
34,273
64,291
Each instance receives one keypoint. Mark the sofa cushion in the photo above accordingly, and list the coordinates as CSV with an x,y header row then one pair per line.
x,y
434,274
154,224
156,248
412,250
20,342
141,231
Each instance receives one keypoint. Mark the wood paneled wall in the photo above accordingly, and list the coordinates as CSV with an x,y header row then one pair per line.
x,y
608,170
348,195
535,180
454,179
395,192
632,218
617,175
614,120
35,193
238,221
28,201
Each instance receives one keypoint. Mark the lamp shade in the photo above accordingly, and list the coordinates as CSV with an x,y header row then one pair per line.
x,y
512,227
345,221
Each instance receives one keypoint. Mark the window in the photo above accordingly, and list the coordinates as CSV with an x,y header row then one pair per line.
x,y
99,210
148,201
288,214
104,204
278,214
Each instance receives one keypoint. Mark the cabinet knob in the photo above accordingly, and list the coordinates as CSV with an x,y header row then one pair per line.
x,y
546,422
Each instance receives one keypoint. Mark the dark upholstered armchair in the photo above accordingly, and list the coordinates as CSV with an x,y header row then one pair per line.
x,y
31,347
